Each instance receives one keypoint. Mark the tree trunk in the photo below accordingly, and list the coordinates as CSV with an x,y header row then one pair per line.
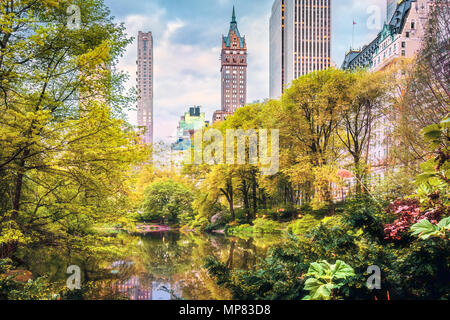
x,y
359,175
10,248
233,217
254,194
230,256
231,200
330,201
246,200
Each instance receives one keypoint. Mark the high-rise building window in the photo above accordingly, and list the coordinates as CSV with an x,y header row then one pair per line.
x,y
300,40
145,102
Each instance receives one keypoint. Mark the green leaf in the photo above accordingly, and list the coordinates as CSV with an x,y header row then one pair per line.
x,y
341,270
424,229
312,284
424,177
316,269
444,224
432,132
445,123
323,292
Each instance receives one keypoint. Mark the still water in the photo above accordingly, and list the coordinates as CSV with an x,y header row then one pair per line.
x,y
170,265
160,266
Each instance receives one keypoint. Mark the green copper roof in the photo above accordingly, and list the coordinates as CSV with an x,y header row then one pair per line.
x,y
234,29
392,27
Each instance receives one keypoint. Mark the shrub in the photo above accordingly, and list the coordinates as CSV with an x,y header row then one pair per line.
x,y
409,213
199,223
267,214
279,277
363,213
262,226
243,230
39,289
303,225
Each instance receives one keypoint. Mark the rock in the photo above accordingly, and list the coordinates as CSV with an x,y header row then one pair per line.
x,y
219,218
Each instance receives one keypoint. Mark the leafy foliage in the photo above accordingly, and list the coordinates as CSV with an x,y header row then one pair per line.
x,y
168,201
425,229
324,278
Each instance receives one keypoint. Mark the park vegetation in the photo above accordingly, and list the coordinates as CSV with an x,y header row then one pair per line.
x,y
73,173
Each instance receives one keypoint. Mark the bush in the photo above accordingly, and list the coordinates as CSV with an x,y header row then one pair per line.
x,y
303,225
39,289
409,213
198,223
363,213
242,230
262,226
279,277
395,185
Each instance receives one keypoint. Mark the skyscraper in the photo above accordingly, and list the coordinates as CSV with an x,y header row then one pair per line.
x,y
145,84
300,41
233,71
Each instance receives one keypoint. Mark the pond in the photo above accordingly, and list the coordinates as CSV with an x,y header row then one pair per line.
x,y
161,266
170,264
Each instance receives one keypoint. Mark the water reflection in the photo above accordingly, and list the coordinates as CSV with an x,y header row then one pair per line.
x,y
157,266
170,265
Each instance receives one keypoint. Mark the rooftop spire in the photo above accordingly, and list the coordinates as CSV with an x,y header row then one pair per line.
x,y
233,17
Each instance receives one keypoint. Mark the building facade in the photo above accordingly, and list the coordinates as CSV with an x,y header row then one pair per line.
x,y
401,37
191,122
145,85
233,72
300,41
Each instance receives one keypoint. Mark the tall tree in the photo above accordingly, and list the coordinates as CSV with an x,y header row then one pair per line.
x,y
65,150
312,109
368,95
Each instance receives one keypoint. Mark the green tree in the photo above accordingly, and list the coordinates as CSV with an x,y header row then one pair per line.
x,y
167,201
311,111
368,94
65,150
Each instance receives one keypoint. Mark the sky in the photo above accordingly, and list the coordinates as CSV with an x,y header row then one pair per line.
x,y
187,37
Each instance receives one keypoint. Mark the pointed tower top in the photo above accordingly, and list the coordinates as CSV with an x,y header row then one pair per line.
x,y
234,31
233,17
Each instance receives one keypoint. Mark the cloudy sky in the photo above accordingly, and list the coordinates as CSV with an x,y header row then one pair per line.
x,y
187,42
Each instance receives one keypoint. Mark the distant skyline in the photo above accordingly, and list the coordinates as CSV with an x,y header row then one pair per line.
x,y
187,42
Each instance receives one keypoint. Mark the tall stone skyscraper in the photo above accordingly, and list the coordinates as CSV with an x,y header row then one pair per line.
x,y
145,84
300,41
233,71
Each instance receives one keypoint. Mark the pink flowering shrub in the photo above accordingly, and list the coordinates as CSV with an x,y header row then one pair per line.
x,y
409,213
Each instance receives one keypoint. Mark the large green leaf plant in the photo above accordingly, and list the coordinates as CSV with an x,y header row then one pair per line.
x,y
325,277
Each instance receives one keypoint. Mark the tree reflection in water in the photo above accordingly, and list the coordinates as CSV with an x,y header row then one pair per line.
x,y
156,266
